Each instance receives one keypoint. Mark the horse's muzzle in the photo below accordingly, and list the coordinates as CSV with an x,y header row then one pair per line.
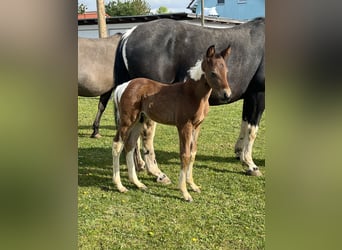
x,y
227,95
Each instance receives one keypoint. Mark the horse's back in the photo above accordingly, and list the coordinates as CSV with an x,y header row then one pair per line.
x,y
96,65
173,47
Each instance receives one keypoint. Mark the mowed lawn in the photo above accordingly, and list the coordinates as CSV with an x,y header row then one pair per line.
x,y
229,213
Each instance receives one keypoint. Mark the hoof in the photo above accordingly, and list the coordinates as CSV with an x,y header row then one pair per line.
x,y
162,178
254,172
140,166
96,136
188,199
196,188
143,187
123,189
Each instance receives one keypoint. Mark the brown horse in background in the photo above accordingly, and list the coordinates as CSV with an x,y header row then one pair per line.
x,y
143,100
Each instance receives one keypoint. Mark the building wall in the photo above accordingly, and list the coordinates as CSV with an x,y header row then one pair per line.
x,y
236,9
91,31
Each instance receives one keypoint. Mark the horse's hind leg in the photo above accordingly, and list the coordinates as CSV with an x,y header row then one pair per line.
x,y
138,160
116,151
149,155
130,146
101,108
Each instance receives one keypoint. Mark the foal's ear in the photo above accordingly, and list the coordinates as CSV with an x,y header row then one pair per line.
x,y
225,53
211,51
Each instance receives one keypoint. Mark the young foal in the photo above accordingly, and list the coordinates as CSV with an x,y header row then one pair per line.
x,y
184,105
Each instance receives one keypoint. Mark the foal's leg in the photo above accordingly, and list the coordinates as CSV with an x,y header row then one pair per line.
x,y
116,151
185,157
130,144
138,160
193,149
149,155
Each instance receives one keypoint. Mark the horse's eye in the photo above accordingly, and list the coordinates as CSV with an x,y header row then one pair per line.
x,y
213,74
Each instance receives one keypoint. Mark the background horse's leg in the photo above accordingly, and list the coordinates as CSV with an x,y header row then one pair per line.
x,y
149,154
253,107
101,108
193,148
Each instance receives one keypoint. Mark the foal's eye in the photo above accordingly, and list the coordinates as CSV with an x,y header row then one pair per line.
x,y
213,74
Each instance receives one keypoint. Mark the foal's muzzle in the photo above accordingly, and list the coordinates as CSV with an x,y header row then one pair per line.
x,y
227,95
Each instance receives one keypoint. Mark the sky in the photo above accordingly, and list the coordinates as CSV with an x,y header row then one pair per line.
x,y
172,5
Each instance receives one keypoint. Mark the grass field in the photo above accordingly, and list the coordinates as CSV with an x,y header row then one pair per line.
x,y
229,213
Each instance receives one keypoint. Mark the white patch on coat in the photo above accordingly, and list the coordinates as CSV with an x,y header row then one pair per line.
x,y
119,90
196,71
125,39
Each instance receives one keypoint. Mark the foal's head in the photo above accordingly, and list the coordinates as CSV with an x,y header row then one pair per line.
x,y
215,70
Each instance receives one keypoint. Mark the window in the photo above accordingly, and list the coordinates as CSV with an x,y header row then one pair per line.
x,y
220,1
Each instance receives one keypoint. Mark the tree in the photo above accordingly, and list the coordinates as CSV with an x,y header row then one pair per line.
x,y
127,8
82,8
162,10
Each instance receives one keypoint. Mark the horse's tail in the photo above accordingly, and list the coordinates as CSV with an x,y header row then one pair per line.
x,y
121,73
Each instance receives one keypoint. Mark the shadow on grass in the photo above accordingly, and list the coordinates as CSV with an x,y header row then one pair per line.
x,y
87,130
95,165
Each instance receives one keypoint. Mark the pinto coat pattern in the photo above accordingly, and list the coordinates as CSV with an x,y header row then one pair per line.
x,y
144,99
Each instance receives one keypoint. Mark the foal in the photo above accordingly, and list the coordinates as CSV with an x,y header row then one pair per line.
x,y
184,105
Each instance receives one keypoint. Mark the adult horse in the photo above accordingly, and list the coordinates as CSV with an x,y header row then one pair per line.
x,y
163,50
95,71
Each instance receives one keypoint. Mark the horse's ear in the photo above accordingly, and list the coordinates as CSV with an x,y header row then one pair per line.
x,y
211,51
225,53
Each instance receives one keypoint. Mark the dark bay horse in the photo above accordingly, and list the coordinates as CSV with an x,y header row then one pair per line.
x,y
95,71
142,99
163,50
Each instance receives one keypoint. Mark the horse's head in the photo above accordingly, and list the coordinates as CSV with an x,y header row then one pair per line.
x,y
216,72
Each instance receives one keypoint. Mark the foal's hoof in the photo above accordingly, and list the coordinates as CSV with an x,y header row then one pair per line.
x,y
188,199
143,187
140,166
162,178
254,172
96,136
123,189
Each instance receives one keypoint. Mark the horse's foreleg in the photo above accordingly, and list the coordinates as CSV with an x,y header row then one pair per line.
x,y
253,107
193,149
185,157
116,151
149,154
101,108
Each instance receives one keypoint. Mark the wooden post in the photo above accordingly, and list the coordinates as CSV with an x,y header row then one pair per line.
x,y
101,18
202,13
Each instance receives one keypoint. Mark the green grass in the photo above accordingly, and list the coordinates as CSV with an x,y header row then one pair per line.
x,y
229,213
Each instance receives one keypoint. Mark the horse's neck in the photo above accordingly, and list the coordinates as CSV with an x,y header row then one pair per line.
x,y
200,88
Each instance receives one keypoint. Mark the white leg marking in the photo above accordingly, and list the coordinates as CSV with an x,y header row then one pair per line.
x,y
240,141
149,155
246,153
182,185
189,177
116,151
131,170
